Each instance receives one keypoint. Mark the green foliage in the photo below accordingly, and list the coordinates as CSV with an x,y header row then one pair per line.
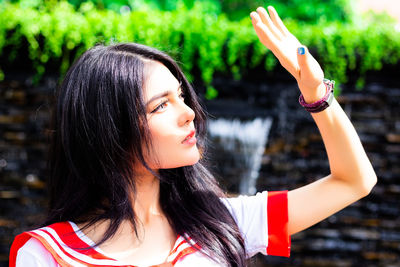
x,y
200,41
309,11
315,11
211,93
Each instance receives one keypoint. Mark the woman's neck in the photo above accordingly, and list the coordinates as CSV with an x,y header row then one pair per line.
x,y
146,203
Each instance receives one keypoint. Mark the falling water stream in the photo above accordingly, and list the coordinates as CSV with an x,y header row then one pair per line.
x,y
246,140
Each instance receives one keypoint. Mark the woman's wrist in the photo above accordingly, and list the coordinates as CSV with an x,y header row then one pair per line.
x,y
311,96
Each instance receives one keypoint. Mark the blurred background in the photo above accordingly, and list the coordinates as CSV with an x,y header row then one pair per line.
x,y
260,137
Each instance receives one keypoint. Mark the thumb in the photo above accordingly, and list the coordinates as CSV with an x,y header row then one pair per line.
x,y
310,71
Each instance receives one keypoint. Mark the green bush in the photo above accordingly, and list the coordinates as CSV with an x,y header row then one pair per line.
x,y
315,11
309,11
198,40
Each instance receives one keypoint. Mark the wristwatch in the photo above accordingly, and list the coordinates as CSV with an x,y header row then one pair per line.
x,y
324,102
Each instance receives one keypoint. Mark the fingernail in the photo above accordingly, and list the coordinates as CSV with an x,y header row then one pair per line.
x,y
301,51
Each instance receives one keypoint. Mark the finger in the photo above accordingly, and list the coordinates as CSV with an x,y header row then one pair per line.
x,y
264,34
310,70
267,21
277,21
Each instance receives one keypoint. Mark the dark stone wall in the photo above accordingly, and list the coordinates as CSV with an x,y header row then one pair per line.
x,y
24,118
366,233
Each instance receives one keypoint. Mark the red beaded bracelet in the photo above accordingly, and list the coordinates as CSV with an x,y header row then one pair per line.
x,y
324,102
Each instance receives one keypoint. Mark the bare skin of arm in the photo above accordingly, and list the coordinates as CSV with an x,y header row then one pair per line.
x,y
352,176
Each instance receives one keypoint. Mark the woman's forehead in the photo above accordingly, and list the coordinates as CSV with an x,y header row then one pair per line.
x,y
159,79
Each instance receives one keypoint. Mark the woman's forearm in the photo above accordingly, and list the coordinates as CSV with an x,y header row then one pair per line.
x,y
347,158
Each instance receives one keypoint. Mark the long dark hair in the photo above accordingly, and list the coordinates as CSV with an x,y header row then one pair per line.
x,y
99,127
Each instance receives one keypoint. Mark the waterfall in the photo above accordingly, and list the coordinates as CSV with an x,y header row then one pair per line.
x,y
240,146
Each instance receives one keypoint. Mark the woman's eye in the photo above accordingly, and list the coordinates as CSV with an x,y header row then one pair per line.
x,y
161,106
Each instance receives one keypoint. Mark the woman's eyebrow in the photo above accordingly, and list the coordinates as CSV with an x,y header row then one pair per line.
x,y
162,94
157,96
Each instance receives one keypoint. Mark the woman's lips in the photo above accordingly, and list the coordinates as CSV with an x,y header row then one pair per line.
x,y
190,138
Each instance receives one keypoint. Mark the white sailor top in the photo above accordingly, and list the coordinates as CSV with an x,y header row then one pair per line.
x,y
262,220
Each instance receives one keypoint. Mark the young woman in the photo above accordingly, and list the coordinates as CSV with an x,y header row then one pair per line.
x,y
128,186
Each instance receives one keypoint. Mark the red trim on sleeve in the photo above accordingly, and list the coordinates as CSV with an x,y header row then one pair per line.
x,y
278,237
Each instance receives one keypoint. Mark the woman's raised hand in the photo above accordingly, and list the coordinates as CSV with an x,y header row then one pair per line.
x,y
292,55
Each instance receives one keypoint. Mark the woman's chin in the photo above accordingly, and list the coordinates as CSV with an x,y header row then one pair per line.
x,y
189,160
193,162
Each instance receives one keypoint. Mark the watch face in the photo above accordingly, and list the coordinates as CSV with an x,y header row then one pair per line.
x,y
330,98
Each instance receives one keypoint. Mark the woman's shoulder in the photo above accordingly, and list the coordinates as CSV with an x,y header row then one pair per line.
x,y
56,234
34,253
30,248
62,242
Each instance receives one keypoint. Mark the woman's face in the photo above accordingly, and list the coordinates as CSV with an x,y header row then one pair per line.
x,y
170,120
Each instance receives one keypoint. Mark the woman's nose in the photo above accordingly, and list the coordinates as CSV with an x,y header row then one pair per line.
x,y
187,114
